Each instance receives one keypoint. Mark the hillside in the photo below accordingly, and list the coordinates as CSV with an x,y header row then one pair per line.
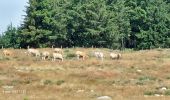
x,y
138,75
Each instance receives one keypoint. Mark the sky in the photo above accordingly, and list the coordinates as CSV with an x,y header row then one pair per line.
x,y
11,11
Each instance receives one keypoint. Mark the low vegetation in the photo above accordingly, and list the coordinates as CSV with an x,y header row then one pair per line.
x,y
137,75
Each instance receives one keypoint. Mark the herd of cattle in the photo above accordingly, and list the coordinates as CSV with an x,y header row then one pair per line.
x,y
58,54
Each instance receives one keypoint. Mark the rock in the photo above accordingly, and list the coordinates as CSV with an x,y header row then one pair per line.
x,y
163,89
139,70
157,95
104,98
80,91
91,90
42,82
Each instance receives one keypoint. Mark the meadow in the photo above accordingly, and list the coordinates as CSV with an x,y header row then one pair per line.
x,y
138,75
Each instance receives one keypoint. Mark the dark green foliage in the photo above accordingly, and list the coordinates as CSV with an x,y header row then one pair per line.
x,y
139,24
9,38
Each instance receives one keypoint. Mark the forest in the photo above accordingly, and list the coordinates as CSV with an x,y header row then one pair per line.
x,y
115,24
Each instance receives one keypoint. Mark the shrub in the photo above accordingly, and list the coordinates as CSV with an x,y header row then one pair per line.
x,y
4,58
167,92
59,82
70,55
67,50
168,77
146,78
15,82
47,82
27,81
140,83
149,93
152,93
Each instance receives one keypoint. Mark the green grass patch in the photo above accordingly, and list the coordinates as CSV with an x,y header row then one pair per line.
x,y
151,93
146,78
4,58
167,93
51,82
48,82
70,55
67,50
168,77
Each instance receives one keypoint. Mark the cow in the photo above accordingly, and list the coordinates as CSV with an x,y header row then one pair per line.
x,y
99,55
58,50
34,52
81,54
7,52
57,56
115,55
45,55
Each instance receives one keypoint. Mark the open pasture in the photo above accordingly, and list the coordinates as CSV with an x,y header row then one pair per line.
x,y
137,75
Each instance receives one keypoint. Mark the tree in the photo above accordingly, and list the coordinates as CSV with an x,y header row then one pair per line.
x,y
139,24
9,38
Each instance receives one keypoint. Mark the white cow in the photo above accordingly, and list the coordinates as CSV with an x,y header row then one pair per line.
x,y
81,54
34,52
115,55
99,55
7,52
57,56
58,50
45,55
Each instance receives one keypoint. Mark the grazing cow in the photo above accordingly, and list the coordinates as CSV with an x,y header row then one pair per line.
x,y
99,55
34,52
58,50
45,55
115,55
80,54
57,56
7,53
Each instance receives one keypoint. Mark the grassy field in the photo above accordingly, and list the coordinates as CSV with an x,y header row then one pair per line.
x,y
138,75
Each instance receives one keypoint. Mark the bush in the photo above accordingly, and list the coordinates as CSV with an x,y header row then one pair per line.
x,y
140,83
50,82
67,50
152,93
168,77
149,93
15,82
167,92
70,55
59,82
47,82
147,78
4,58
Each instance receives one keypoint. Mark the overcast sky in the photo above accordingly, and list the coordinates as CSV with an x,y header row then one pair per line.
x,y
11,11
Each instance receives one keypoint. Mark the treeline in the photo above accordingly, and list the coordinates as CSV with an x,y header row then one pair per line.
x,y
139,24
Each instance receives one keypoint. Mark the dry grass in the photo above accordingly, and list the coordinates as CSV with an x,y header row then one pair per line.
x,y
138,75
